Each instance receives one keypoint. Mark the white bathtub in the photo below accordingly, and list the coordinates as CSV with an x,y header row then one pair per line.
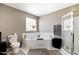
x,y
31,41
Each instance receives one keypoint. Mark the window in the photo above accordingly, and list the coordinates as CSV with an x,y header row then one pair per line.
x,y
31,24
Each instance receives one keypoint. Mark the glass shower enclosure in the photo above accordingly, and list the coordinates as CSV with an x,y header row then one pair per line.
x,y
70,32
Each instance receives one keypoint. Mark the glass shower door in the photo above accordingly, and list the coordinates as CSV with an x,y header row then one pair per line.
x,y
68,32
76,33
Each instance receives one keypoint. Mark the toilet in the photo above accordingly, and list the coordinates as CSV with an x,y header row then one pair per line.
x,y
14,44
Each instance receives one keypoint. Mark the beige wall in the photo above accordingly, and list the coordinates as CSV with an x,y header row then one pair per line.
x,y
46,22
12,20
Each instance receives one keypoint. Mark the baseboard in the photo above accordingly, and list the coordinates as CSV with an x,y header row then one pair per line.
x,y
64,52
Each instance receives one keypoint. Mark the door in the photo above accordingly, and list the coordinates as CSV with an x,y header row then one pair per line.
x,y
68,32
76,34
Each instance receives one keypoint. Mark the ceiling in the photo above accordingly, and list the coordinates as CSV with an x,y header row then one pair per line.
x,y
39,9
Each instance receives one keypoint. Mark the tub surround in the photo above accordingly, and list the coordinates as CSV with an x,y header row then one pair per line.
x,y
30,40
44,35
